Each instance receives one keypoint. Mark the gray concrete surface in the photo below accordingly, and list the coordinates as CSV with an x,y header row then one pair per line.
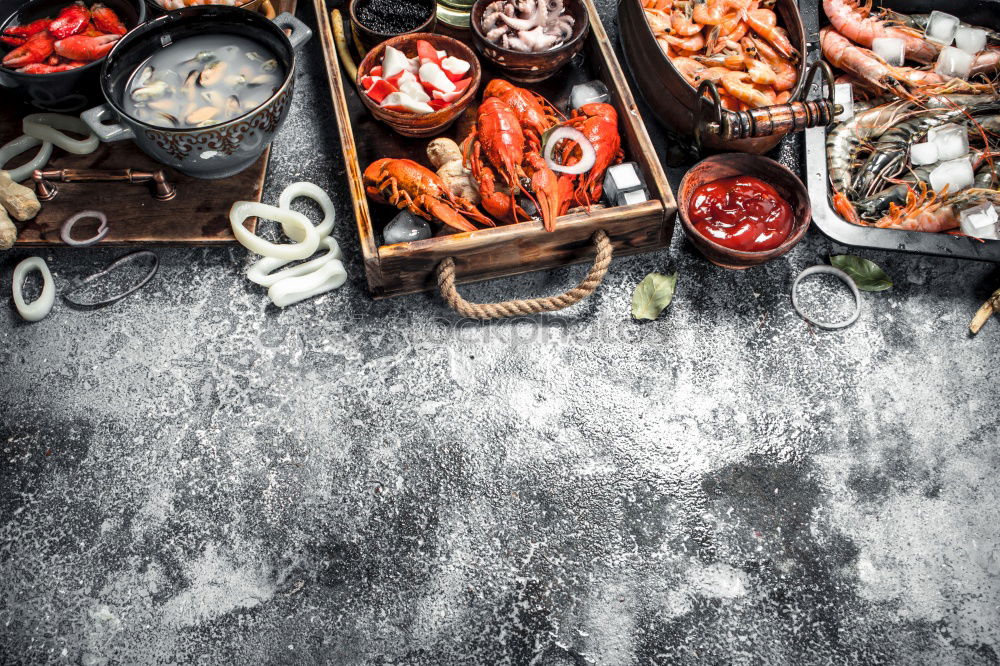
x,y
192,476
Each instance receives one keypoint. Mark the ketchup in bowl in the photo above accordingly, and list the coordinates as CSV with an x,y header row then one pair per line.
x,y
742,213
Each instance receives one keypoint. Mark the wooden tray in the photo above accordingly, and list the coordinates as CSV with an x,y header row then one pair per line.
x,y
198,215
406,268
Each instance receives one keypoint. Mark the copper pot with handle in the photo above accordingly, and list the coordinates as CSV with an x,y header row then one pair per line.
x,y
691,112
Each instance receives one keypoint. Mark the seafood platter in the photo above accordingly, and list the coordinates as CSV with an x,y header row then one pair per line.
x,y
179,110
912,167
509,146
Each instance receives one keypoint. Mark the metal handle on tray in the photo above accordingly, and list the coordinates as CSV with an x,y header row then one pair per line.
x,y
774,120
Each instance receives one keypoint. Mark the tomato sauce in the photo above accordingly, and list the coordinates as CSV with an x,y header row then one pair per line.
x,y
741,213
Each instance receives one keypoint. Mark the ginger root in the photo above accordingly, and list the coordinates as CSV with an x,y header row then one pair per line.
x,y
8,232
18,200
446,157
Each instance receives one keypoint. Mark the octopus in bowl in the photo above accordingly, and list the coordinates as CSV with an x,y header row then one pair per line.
x,y
529,26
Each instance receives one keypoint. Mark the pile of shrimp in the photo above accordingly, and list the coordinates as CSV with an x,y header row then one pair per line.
x,y
847,41
872,180
737,44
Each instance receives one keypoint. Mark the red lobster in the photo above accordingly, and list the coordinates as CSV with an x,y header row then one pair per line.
x,y
410,186
499,136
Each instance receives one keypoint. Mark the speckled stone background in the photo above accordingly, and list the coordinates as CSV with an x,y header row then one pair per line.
x,y
192,476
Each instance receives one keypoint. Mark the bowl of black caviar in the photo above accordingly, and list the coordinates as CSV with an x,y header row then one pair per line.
x,y
374,21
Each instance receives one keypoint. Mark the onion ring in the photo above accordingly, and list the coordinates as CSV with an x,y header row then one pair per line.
x,y
65,232
845,278
39,308
586,162
305,247
261,271
21,144
128,258
310,191
46,126
291,290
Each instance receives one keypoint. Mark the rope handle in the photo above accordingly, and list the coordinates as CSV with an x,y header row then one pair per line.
x,y
446,283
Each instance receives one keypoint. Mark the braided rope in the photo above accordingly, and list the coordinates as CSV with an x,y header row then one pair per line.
x,y
446,283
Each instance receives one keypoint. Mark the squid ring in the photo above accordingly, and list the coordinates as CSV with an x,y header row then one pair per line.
x,y
845,278
304,189
46,126
128,258
291,290
299,224
40,307
65,232
260,272
22,144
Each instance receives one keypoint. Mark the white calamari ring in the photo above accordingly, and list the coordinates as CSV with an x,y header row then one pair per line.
x,y
261,271
294,289
40,307
66,231
46,126
308,238
845,278
22,144
304,189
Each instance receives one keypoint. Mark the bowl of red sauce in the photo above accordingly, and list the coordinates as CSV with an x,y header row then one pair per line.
x,y
742,210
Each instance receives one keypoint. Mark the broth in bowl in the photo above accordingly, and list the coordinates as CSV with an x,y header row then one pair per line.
x,y
202,80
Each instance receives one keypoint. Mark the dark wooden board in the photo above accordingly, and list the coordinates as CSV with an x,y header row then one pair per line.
x,y
198,215
508,249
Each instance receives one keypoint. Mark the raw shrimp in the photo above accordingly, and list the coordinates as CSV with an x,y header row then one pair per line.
x,y
856,25
859,62
919,22
843,141
986,62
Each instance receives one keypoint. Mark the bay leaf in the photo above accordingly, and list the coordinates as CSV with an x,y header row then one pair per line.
x,y
653,295
867,275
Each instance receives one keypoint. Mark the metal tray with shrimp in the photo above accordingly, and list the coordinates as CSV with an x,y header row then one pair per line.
x,y
827,220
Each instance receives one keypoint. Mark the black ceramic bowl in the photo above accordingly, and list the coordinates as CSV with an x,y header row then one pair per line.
x,y
61,91
213,151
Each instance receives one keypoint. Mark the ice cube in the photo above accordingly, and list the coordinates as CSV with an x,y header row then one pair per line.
x,y
591,92
971,40
528,206
956,175
620,178
843,94
406,227
941,28
632,197
923,153
952,141
953,63
980,221
890,49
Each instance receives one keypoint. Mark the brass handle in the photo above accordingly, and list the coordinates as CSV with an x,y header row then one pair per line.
x,y
46,190
776,120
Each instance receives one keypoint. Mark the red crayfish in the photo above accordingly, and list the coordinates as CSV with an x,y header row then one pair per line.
x,y
410,186
72,39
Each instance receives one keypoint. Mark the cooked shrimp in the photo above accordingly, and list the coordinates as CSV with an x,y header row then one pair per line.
x,y
738,85
764,22
689,69
683,25
693,43
659,21
786,75
856,25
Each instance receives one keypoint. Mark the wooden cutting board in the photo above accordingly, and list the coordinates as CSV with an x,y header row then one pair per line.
x,y
198,215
